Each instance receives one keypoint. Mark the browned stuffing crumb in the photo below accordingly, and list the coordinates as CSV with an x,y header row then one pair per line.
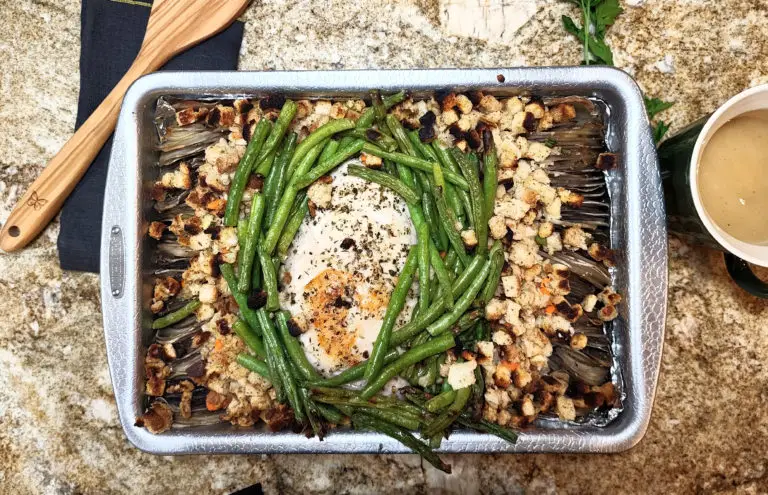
x,y
156,229
157,419
607,161
185,388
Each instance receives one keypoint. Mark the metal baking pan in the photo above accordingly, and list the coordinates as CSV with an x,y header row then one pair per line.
x,y
638,234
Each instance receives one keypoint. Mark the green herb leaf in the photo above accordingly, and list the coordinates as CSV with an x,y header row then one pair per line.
x,y
660,130
605,14
550,142
600,50
597,16
572,28
655,105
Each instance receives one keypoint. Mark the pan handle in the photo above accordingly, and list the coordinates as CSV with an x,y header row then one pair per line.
x,y
741,273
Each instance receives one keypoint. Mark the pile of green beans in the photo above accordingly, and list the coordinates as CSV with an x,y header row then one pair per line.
x,y
446,191
301,167
415,163
277,178
476,198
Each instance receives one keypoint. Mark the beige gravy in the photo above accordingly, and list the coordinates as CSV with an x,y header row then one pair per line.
x,y
733,177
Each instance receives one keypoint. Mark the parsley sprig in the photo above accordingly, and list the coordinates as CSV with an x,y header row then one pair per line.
x,y
596,17
654,106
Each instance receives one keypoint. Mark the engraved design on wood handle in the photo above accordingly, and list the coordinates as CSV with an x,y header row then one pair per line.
x,y
35,201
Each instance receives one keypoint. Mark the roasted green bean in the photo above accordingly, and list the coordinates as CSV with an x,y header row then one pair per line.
x,y
282,373
441,273
373,136
284,119
407,421
432,216
467,321
385,180
490,180
496,256
379,110
247,252
249,315
411,356
176,316
449,221
286,202
462,196
450,260
330,148
487,427
255,365
322,133
251,339
239,181
395,307
386,401
462,304
476,268
294,349
429,208
447,417
423,149
325,167
394,415
478,393
476,198
424,266
398,132
269,274
439,402
242,230
312,411
465,419
277,178
354,373
330,413
292,225
264,166
369,115
361,420
431,371
414,162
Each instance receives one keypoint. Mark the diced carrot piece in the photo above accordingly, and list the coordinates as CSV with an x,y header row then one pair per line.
x,y
512,366
213,401
550,309
218,345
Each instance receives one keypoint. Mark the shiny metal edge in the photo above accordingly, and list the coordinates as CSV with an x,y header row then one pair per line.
x,y
640,241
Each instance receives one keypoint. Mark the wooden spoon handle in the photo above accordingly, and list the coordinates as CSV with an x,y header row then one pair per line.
x,y
47,193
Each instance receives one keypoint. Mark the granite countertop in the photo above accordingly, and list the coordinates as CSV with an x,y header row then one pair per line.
x,y
59,431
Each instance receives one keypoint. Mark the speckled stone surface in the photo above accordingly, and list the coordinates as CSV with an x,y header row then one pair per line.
x,y
58,423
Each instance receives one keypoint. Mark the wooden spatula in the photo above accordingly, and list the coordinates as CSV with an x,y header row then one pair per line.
x,y
174,26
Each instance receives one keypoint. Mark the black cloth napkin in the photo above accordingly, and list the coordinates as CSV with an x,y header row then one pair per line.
x,y
111,33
